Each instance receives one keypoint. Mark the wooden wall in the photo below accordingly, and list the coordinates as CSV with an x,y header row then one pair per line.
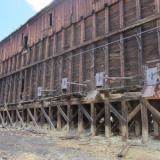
x,y
72,46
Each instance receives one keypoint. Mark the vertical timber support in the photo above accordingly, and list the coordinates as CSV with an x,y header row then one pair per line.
x,y
107,120
156,128
137,127
144,117
121,8
69,117
94,26
93,116
80,120
124,126
139,38
59,120
157,5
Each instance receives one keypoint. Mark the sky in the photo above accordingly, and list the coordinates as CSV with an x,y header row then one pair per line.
x,y
14,13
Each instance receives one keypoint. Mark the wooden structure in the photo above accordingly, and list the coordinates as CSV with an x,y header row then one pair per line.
x,y
81,63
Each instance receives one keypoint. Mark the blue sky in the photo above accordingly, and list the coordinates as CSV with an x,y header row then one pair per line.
x,y
14,13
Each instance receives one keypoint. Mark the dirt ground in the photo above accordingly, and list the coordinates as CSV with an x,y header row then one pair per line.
x,y
46,145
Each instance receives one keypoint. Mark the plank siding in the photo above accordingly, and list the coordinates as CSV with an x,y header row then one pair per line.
x,y
78,26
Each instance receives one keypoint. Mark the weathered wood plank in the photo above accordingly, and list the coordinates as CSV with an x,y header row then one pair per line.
x,y
2,120
63,114
80,120
144,118
134,113
93,116
47,118
84,111
155,112
115,112
124,126
33,119
20,118
107,121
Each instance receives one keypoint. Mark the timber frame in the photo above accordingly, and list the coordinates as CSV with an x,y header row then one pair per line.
x,y
86,37
128,115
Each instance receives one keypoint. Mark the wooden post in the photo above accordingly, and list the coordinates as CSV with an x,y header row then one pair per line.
x,y
157,5
25,86
81,72
124,124
52,75
69,117
80,120
158,36
59,120
144,117
94,26
28,118
44,76
35,114
107,20
2,120
9,116
93,68
107,121
20,86
82,31
138,9
93,116
20,118
156,128
12,116
33,119
10,89
106,61
4,117
72,36
63,39
137,127
47,117
50,112
70,73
